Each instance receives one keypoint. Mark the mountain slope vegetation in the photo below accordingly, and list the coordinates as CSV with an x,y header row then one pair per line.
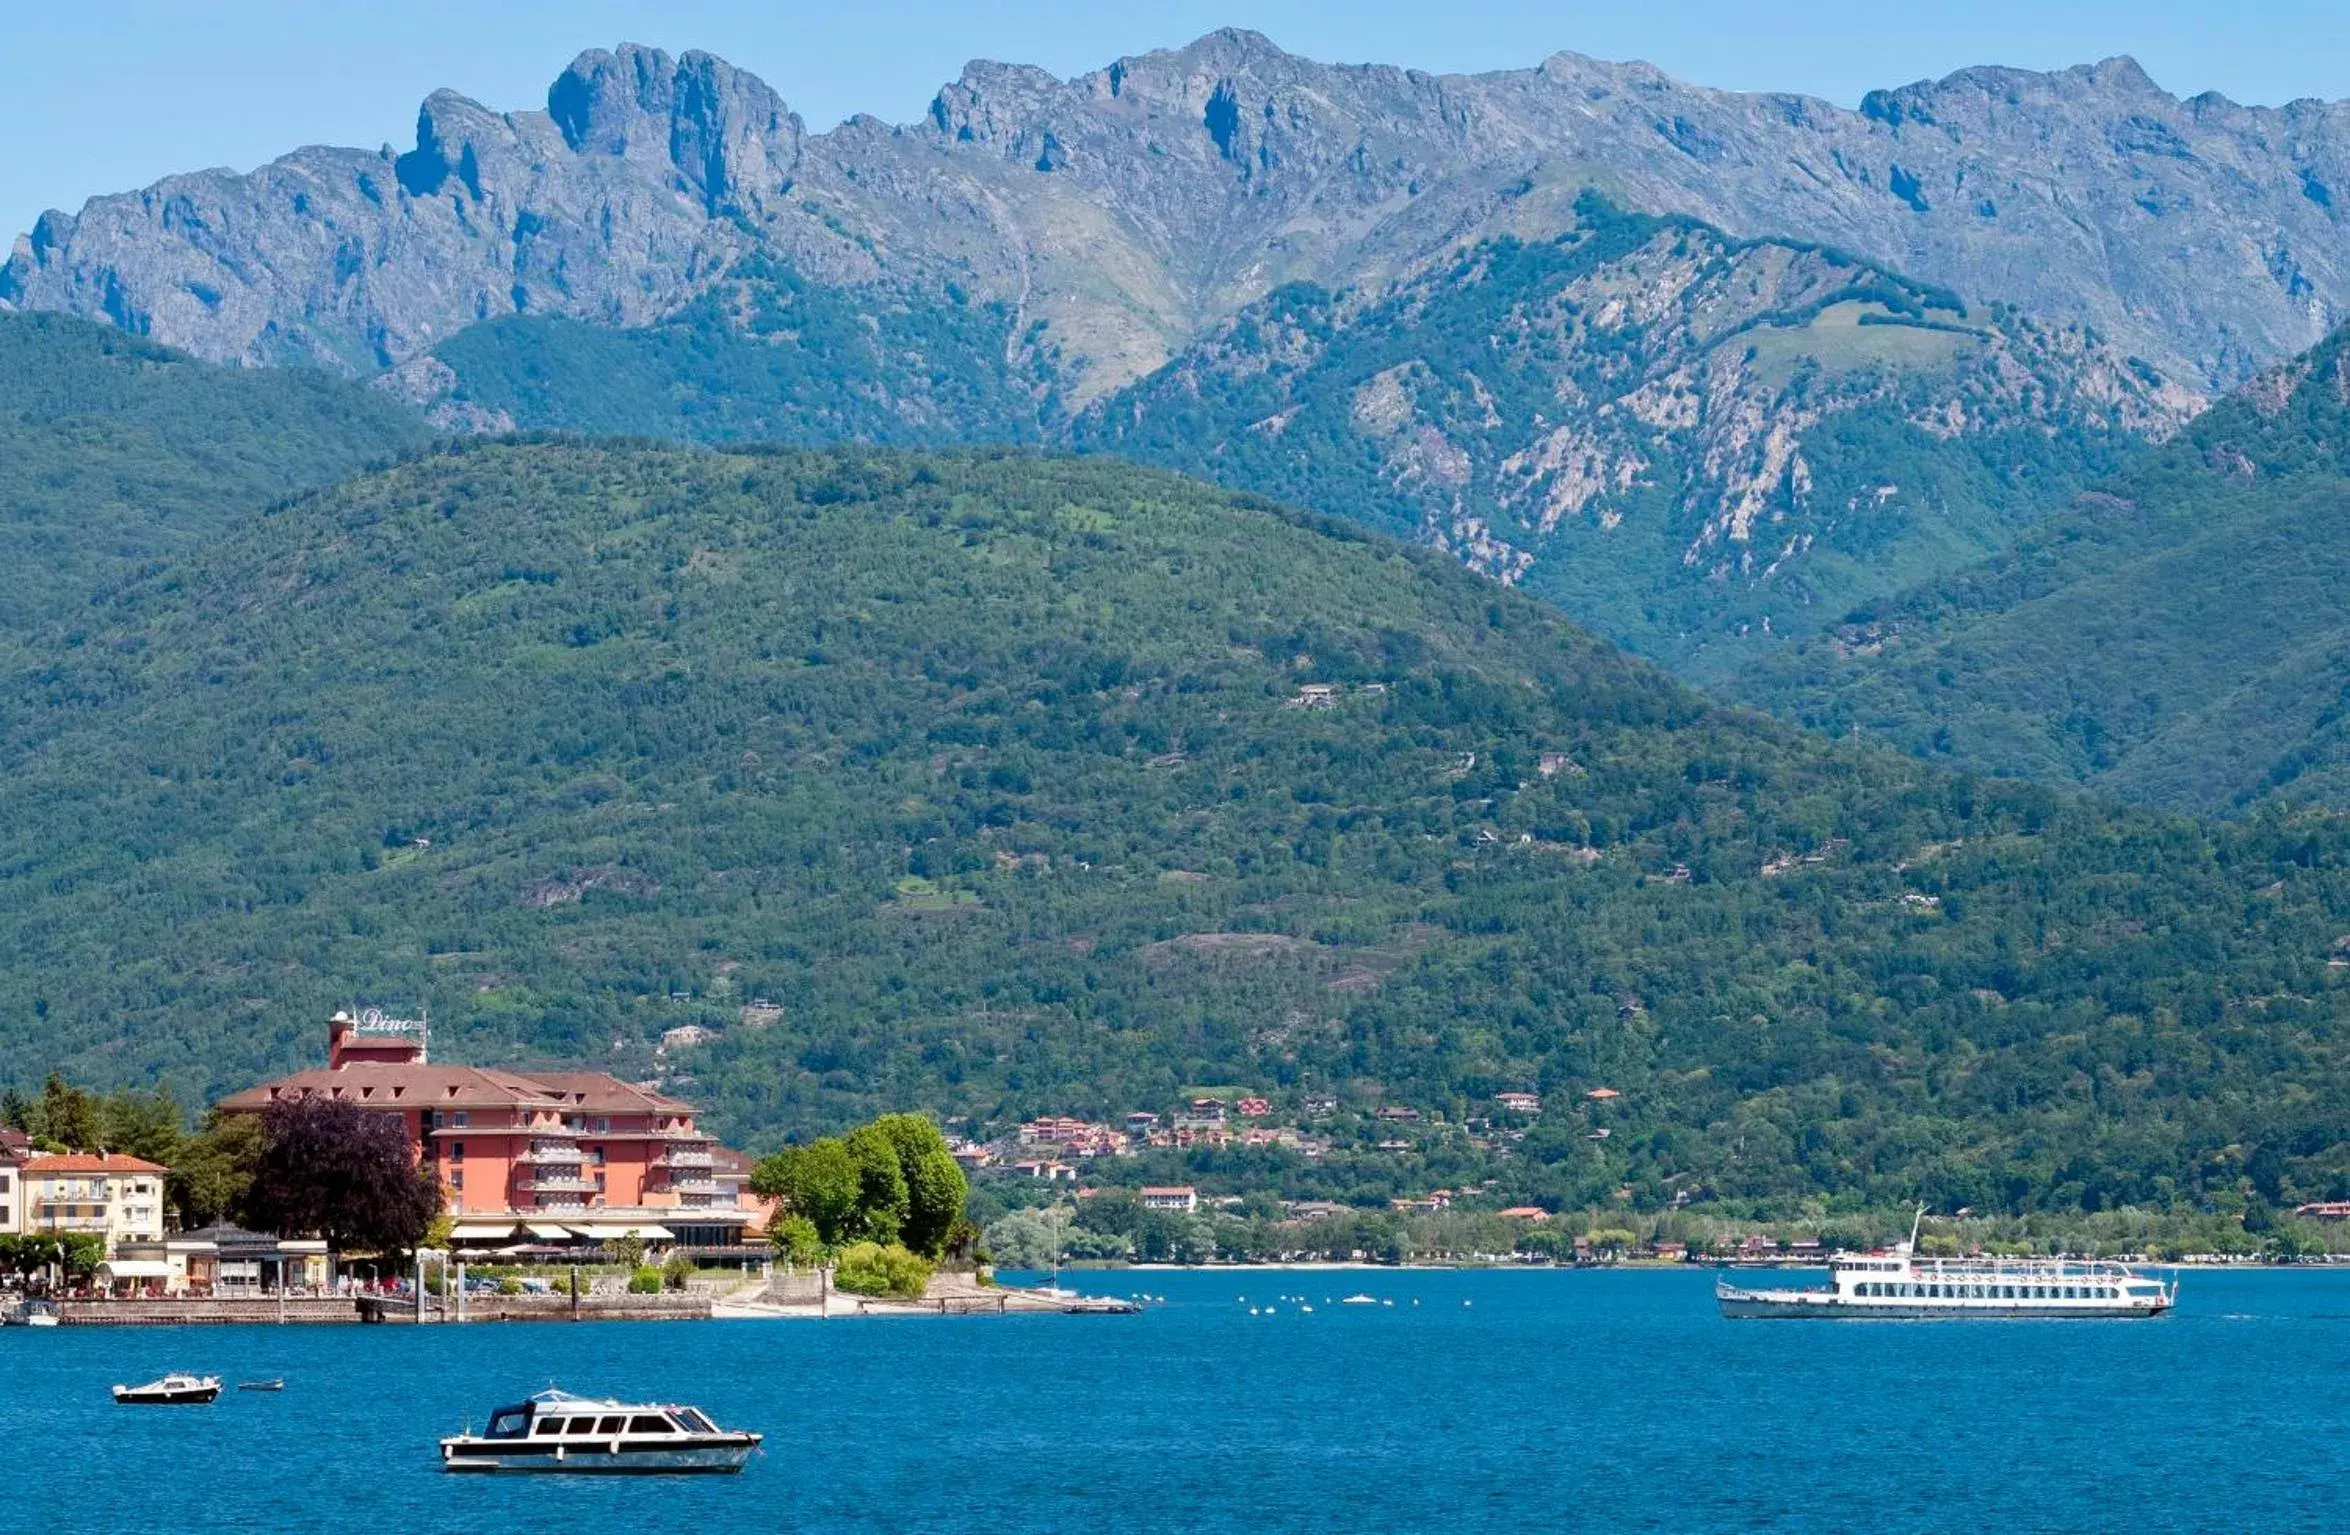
x,y
1000,784
2177,636
1698,445
115,451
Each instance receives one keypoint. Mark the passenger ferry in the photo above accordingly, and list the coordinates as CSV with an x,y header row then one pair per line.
x,y
1899,1285
556,1431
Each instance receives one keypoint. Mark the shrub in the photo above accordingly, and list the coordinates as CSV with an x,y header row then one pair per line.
x,y
677,1271
797,1242
509,1284
868,1268
645,1282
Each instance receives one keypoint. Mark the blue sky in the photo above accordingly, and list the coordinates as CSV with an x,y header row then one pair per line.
x,y
99,97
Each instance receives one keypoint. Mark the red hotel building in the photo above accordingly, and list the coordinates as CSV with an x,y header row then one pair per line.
x,y
535,1157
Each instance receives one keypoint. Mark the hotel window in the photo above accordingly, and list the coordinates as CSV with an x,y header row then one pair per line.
x,y
456,1151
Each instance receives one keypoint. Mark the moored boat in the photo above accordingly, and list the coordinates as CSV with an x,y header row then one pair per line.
x,y
556,1431
31,1313
1898,1285
173,1390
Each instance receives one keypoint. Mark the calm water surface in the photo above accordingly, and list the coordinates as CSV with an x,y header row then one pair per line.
x,y
1500,1401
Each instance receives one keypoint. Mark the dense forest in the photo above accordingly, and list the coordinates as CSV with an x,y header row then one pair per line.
x,y
115,451
2176,636
995,784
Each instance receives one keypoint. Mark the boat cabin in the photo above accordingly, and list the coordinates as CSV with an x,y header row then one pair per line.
x,y
558,1415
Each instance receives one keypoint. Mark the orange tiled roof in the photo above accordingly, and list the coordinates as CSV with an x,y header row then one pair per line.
x,y
86,1162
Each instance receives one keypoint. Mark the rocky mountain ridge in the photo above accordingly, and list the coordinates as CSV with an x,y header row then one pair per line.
x,y
1123,214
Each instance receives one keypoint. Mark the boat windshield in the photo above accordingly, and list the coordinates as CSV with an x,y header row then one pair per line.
x,y
695,1422
508,1423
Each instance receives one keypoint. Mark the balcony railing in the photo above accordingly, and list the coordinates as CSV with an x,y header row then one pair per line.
x,y
553,1151
684,1181
557,1180
679,1156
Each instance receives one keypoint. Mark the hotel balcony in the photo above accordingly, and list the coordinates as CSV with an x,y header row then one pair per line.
x,y
684,1181
557,1179
44,1224
695,1155
546,1153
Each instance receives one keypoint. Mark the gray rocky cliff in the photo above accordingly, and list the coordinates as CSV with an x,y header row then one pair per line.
x,y
1132,209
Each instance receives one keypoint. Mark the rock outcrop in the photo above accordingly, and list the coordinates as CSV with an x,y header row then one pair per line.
x,y
1130,210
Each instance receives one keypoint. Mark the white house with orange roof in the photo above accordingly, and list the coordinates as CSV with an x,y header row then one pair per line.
x,y
103,1194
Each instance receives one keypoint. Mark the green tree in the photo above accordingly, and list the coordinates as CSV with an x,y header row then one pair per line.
x,y
796,1242
820,1182
213,1171
627,1251
79,1253
68,1116
882,1195
935,1185
147,1125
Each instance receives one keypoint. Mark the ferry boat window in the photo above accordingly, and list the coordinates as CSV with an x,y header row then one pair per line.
x,y
508,1424
647,1423
610,1426
548,1428
695,1422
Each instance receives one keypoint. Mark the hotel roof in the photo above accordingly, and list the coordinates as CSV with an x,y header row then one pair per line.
x,y
383,1084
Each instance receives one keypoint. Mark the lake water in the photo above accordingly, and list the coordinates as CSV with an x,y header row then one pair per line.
x,y
1500,1401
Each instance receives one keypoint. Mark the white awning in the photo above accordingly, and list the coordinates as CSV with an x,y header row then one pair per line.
x,y
653,1233
547,1232
602,1233
135,1268
481,1231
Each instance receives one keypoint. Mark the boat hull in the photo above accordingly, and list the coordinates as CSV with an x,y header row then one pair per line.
x,y
1756,1305
713,1457
196,1397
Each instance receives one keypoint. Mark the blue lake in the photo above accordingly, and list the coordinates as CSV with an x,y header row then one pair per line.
x,y
1500,1401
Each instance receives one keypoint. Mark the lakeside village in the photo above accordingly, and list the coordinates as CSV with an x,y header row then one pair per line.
x,y
1060,1189
573,1193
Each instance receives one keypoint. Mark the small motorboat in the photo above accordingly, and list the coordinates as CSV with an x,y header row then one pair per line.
x,y
261,1385
555,1431
31,1313
1358,1300
174,1390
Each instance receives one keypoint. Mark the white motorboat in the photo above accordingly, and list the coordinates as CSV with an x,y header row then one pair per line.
x,y
174,1390
1898,1285
31,1313
556,1431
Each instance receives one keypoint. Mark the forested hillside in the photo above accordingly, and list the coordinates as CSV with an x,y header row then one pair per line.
x,y
999,784
1699,446
114,450
2177,636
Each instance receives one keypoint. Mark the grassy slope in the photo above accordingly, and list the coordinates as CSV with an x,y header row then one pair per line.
x,y
114,451
957,760
2176,637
